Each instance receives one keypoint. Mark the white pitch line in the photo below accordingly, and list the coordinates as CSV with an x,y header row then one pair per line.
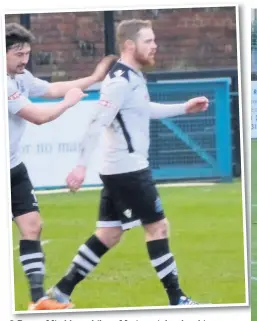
x,y
42,243
254,205
254,262
254,278
96,188
186,184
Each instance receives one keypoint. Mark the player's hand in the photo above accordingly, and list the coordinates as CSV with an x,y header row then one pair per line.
x,y
197,104
76,178
103,67
73,96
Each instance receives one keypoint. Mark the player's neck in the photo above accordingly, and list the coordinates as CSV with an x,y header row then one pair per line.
x,y
10,74
130,61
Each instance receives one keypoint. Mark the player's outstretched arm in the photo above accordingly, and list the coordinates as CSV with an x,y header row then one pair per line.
x,y
39,115
194,105
58,89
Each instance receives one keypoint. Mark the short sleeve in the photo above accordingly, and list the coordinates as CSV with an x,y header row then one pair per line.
x,y
16,101
114,93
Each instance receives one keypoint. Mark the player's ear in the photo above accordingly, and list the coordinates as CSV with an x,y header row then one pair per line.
x,y
129,44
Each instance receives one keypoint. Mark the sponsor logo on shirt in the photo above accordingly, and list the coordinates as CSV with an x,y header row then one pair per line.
x,y
14,96
106,103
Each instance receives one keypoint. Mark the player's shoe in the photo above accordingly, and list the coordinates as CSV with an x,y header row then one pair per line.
x,y
47,303
55,294
183,300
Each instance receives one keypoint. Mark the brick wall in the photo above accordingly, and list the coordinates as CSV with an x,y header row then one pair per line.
x,y
68,45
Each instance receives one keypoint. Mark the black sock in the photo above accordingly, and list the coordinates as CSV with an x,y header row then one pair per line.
x,y
164,263
84,262
32,260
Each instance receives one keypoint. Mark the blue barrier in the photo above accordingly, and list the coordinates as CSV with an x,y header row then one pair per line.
x,y
194,146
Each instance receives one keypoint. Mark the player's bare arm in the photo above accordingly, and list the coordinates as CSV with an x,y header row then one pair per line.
x,y
58,89
38,115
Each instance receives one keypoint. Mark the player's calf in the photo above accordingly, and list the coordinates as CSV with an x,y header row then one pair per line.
x,y
162,259
87,258
31,253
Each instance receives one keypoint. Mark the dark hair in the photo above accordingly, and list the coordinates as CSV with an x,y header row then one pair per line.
x,y
16,34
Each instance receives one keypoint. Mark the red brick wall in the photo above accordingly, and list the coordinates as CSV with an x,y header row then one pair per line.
x,y
68,45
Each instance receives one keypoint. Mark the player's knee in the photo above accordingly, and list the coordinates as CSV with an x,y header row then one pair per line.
x,y
116,236
29,225
32,229
157,230
109,236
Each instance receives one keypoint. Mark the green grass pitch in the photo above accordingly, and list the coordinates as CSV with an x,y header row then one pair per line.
x,y
206,228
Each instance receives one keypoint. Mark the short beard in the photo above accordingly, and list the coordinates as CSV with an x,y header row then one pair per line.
x,y
143,62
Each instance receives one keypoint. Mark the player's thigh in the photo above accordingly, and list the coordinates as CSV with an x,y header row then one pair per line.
x,y
137,195
108,215
146,200
25,208
116,205
108,229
